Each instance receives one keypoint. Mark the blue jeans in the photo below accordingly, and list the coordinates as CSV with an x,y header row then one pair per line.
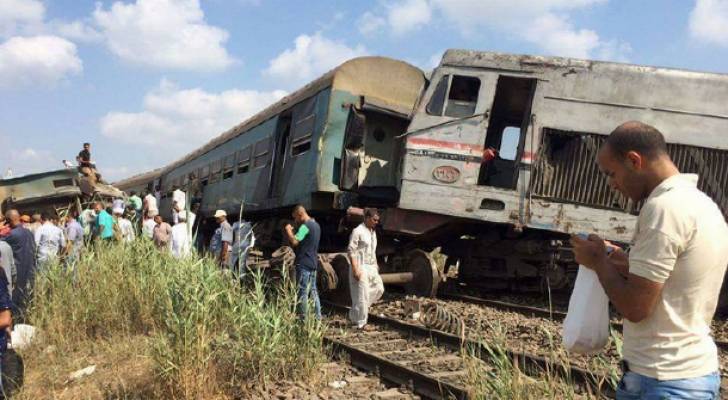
x,y
307,287
634,386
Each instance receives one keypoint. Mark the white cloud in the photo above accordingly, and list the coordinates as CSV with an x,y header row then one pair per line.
x,y
183,119
556,36
709,21
369,23
163,33
16,15
77,30
408,15
310,57
545,23
44,60
23,161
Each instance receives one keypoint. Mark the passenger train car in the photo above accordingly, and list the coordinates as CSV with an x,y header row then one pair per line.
x,y
492,159
291,152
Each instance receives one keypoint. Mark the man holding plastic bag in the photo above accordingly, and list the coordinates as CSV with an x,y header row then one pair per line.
x,y
667,290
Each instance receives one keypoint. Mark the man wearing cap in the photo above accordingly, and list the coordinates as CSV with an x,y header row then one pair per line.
x,y
225,234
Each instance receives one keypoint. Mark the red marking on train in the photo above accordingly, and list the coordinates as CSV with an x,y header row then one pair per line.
x,y
445,144
527,155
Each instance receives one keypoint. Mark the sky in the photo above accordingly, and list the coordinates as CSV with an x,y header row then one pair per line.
x,y
147,81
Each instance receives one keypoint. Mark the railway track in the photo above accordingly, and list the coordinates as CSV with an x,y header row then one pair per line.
x,y
430,362
554,315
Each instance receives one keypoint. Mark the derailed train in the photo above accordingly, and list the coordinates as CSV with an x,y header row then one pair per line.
x,y
491,158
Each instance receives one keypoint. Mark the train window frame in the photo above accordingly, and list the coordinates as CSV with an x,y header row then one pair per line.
x,y
204,174
244,156
438,98
472,91
301,142
228,166
261,153
443,103
215,171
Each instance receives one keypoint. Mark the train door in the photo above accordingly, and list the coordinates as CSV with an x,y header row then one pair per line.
x,y
506,133
278,162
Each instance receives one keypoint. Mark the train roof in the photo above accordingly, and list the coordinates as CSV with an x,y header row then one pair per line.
x,y
519,62
138,179
386,82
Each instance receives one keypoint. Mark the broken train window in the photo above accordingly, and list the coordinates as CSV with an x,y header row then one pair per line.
x,y
462,96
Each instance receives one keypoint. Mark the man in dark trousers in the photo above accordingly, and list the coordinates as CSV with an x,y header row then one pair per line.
x,y
85,165
22,242
305,242
667,286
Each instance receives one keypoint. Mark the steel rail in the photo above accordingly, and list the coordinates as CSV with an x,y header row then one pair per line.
x,y
529,364
536,311
421,384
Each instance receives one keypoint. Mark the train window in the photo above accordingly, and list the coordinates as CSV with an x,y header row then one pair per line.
x,y
301,146
463,96
215,169
262,153
304,117
437,101
228,167
63,182
379,134
244,160
509,143
204,174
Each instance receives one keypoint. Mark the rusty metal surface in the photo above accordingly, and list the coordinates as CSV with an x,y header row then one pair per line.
x,y
566,171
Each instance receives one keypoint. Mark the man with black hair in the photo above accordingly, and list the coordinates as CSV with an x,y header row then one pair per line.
x,y
365,284
305,242
21,241
85,165
49,239
667,287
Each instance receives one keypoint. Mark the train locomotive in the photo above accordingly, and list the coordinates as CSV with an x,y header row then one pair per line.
x,y
489,158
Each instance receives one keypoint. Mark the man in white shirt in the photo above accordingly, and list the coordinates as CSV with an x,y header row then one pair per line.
x,y
148,226
364,281
49,240
667,287
178,203
125,226
150,206
181,241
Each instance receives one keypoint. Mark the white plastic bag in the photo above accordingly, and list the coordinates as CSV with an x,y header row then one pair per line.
x,y
586,327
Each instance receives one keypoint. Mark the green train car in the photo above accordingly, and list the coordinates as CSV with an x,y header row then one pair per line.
x,y
294,151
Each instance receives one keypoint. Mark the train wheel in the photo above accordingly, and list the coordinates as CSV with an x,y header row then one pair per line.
x,y
425,275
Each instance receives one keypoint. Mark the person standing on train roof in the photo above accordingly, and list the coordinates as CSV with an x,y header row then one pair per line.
x,y
305,242
365,284
224,236
667,286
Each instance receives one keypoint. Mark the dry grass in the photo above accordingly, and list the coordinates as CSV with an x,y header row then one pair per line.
x,y
157,327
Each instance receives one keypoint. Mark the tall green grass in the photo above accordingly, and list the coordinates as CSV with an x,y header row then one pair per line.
x,y
208,335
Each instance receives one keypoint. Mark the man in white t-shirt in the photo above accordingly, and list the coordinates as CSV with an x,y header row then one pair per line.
x,y
148,226
667,287
150,206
